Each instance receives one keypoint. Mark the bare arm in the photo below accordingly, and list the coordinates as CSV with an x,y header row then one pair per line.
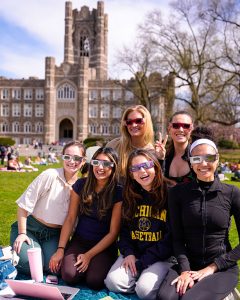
x,y
22,230
56,259
84,259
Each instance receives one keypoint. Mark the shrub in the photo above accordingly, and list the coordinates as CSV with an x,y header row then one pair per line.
x,y
227,144
6,141
92,141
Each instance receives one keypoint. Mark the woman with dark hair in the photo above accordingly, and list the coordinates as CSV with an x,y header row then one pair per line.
x,y
176,164
43,207
200,216
96,201
144,241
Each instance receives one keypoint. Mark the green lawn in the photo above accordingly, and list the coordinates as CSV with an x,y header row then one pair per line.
x,y
13,185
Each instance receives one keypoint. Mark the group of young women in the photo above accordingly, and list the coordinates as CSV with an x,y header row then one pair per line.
x,y
125,204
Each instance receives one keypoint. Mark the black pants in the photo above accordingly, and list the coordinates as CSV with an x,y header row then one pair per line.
x,y
213,287
98,267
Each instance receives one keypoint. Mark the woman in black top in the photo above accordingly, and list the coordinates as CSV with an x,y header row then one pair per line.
x,y
200,217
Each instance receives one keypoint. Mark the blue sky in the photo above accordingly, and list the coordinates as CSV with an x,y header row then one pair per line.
x,y
30,30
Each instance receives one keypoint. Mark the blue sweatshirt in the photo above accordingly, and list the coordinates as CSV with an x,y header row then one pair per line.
x,y
147,235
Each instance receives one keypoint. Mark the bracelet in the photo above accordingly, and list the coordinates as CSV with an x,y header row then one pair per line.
x,y
61,248
22,233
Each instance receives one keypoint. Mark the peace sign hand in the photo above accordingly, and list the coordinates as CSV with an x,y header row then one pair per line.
x,y
160,146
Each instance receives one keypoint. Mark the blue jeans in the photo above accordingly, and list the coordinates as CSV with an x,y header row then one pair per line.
x,y
42,236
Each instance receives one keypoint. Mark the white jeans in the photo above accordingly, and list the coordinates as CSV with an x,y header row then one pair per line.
x,y
146,285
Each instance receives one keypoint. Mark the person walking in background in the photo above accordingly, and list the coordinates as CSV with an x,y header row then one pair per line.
x,y
144,242
96,201
42,208
200,216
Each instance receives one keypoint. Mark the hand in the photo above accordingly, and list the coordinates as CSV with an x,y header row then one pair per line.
x,y
129,263
21,238
83,261
160,146
183,282
199,275
56,261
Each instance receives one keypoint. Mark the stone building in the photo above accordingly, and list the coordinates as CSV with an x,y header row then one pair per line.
x,y
76,99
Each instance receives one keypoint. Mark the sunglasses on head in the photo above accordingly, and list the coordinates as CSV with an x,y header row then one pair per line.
x,y
138,121
75,158
183,125
210,158
103,163
146,165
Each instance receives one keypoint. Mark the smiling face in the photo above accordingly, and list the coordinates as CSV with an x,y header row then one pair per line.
x,y
181,134
135,129
144,176
204,170
100,172
72,166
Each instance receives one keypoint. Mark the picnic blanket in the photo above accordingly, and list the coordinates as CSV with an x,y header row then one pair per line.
x,y
87,294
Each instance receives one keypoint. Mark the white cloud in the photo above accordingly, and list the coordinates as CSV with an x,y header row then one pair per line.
x,y
44,20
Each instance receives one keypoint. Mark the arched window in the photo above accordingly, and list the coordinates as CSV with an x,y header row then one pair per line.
x,y
115,129
93,128
66,92
4,127
39,127
104,128
27,127
16,127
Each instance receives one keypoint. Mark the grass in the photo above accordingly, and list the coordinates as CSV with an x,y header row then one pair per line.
x,y
14,184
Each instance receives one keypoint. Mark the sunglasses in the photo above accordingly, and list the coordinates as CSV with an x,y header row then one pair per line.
x,y
183,125
210,158
75,158
138,121
103,163
146,165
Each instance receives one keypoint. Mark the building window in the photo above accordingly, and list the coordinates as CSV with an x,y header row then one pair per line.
x,y
117,112
5,94
16,109
27,127
39,127
4,110
105,95
105,111
115,129
27,141
16,94
39,110
93,95
16,127
66,92
39,94
128,95
117,95
93,128
93,111
27,110
4,127
27,94
104,128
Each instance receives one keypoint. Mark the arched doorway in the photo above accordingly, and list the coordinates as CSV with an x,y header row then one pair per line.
x,y
65,130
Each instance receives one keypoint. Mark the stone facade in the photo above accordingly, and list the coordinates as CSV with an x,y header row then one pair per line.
x,y
76,99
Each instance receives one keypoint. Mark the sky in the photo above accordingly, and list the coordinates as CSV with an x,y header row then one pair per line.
x,y
30,30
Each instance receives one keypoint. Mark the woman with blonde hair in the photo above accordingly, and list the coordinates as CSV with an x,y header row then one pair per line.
x,y
136,133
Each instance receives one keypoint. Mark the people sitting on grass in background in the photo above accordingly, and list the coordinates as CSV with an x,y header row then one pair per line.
x,y
13,163
96,200
42,208
200,216
144,241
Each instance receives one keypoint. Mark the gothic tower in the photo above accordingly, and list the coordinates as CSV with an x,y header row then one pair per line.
x,y
86,35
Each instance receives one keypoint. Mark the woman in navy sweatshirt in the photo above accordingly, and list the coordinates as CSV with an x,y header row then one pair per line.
x,y
144,241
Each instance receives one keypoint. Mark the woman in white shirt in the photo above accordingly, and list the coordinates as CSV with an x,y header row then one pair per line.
x,y
42,208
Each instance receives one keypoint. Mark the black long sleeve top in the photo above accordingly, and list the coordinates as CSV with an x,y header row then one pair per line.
x,y
200,222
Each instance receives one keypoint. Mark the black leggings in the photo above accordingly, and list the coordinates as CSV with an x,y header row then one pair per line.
x,y
98,267
213,287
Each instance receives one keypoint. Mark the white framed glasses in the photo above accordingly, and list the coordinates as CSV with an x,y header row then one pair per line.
x,y
146,165
75,158
210,158
103,163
